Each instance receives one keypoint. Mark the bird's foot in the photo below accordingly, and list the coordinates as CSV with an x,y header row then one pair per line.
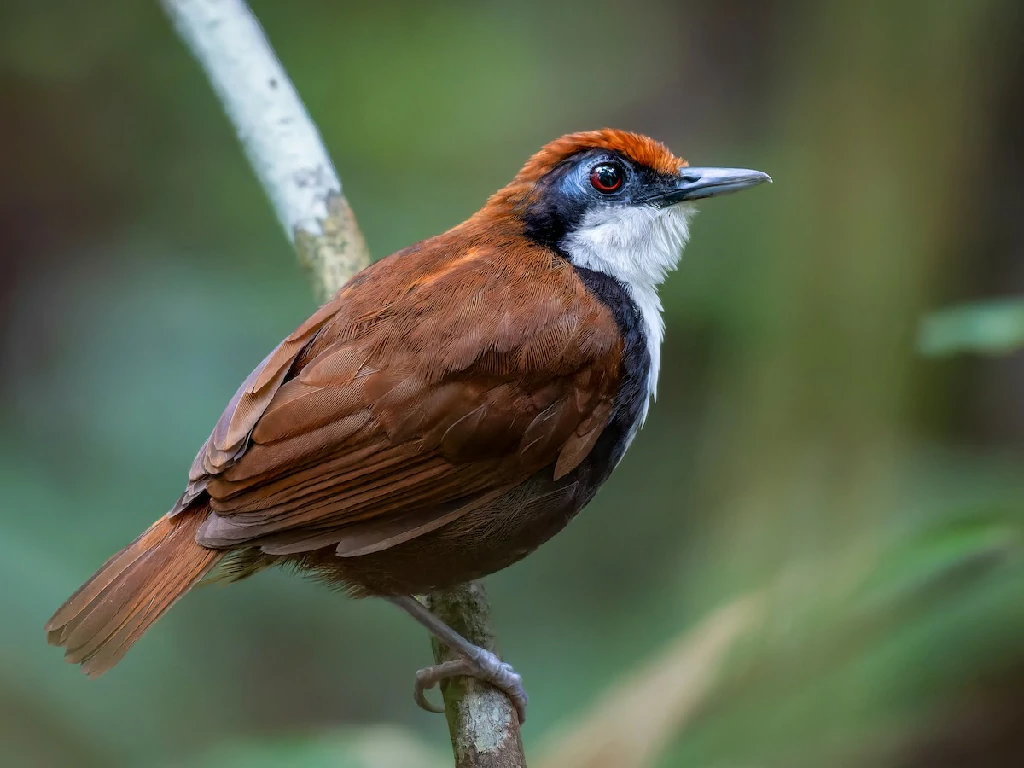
x,y
481,664
472,661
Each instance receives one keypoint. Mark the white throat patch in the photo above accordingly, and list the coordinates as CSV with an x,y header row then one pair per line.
x,y
638,246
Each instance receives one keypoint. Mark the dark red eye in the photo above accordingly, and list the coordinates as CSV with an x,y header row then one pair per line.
x,y
606,177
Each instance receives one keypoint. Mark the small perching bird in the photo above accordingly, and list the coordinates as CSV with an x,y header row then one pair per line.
x,y
447,412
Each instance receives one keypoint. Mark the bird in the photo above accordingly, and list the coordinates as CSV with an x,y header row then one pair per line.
x,y
448,411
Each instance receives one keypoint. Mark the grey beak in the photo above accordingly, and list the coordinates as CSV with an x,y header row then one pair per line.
x,y
698,183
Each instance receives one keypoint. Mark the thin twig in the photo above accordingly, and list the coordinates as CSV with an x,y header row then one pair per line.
x,y
288,155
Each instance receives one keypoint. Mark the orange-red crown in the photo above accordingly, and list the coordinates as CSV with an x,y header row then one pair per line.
x,y
641,149
638,148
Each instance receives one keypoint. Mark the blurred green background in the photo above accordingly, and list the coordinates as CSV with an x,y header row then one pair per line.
x,y
819,451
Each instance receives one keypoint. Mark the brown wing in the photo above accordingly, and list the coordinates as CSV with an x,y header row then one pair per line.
x,y
434,381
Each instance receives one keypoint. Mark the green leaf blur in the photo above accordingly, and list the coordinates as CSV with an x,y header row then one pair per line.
x,y
994,328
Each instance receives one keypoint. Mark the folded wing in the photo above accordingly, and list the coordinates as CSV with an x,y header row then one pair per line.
x,y
428,386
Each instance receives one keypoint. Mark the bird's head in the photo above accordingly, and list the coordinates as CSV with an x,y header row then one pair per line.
x,y
614,202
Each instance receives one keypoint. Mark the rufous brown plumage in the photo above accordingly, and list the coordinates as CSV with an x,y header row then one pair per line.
x,y
448,411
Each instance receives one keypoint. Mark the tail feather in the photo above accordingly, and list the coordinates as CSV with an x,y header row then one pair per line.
x,y
111,611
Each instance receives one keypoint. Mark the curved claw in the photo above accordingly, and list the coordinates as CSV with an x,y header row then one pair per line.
x,y
486,667
429,677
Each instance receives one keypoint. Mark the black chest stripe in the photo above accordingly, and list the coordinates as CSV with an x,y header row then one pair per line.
x,y
635,367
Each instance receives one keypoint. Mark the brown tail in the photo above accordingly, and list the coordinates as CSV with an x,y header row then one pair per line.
x,y
104,618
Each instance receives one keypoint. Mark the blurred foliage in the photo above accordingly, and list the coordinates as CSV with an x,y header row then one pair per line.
x,y
801,454
992,327
367,747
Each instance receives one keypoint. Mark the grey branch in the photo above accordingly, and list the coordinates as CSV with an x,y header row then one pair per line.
x,y
482,721
288,155
279,138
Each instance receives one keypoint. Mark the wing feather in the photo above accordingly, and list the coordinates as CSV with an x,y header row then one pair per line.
x,y
422,390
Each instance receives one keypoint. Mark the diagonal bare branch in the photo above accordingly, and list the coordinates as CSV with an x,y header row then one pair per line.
x,y
278,136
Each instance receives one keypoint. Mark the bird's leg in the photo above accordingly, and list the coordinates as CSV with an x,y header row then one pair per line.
x,y
474,661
